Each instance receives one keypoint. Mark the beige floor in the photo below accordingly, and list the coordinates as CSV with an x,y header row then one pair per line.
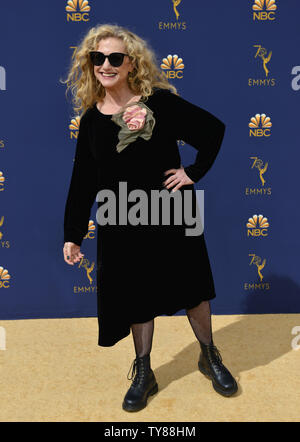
x,y
53,370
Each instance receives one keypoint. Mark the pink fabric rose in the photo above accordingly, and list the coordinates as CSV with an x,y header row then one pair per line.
x,y
136,121
134,116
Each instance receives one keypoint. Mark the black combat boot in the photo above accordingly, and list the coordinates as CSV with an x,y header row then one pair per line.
x,y
210,364
143,385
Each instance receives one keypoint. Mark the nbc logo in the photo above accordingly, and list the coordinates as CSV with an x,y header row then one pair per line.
x,y
264,10
175,62
257,226
4,278
91,230
260,126
77,10
74,126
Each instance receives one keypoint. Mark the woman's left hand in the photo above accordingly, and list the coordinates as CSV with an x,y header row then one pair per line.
x,y
179,178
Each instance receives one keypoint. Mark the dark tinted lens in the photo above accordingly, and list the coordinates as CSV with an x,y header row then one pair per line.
x,y
116,59
97,58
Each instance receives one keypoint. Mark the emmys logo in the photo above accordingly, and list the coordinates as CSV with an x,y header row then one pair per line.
x,y
2,179
256,260
4,278
175,62
175,4
2,79
258,164
77,10
74,127
257,226
264,10
296,80
261,168
265,58
178,24
2,338
87,267
261,53
260,126
91,230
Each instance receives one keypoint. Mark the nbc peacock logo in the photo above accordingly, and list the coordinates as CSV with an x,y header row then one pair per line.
x,y
264,10
257,226
77,10
173,66
260,126
4,278
74,127
91,230
2,179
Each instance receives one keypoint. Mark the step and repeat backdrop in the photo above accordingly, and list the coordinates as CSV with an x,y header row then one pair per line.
x,y
237,59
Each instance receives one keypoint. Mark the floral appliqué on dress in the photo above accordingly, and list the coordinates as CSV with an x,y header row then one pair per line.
x,y
135,120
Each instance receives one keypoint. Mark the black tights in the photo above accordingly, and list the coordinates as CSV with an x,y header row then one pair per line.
x,y
199,318
142,337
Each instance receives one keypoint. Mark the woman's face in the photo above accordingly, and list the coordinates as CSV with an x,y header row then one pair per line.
x,y
107,46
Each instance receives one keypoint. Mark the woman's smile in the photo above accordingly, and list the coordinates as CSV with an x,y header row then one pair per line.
x,y
108,74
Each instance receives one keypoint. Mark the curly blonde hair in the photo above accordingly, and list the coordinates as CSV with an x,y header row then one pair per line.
x,y
85,87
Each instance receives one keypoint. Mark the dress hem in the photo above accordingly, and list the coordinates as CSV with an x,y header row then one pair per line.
x,y
123,336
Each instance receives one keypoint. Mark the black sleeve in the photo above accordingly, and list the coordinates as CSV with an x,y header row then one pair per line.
x,y
197,127
82,190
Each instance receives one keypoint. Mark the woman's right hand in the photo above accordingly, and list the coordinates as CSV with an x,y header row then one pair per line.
x,y
72,251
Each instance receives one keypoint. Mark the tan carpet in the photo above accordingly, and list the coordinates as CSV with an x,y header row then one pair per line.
x,y
53,370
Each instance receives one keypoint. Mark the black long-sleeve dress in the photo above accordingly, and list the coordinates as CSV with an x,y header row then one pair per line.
x,y
143,271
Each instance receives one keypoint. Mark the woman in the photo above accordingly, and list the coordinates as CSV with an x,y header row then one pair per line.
x,y
132,119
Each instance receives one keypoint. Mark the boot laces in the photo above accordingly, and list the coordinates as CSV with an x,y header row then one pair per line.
x,y
216,353
139,375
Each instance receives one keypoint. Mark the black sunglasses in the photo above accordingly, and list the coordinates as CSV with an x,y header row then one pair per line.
x,y
115,58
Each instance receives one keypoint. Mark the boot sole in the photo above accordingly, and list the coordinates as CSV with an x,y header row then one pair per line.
x,y
139,407
215,386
